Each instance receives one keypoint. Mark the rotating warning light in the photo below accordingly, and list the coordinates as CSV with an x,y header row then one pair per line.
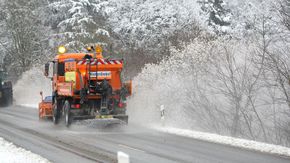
x,y
61,49
89,48
99,49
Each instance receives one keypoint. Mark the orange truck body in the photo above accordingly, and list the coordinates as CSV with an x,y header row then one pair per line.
x,y
74,64
45,108
85,85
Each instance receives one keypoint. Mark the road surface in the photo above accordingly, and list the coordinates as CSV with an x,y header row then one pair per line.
x,y
89,143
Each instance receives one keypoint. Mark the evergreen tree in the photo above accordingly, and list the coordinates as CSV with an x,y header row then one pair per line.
x,y
79,23
285,12
218,14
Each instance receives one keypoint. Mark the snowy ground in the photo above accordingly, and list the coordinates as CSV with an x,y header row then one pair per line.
x,y
9,153
214,138
235,142
29,105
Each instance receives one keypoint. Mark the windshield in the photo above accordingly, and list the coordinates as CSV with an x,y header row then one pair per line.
x,y
48,99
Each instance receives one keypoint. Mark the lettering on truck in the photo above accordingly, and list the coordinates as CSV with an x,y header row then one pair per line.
x,y
101,75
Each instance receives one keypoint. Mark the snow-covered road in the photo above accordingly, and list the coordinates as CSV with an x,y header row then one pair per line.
x,y
79,143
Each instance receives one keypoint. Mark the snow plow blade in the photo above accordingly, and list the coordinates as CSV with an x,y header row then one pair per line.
x,y
122,118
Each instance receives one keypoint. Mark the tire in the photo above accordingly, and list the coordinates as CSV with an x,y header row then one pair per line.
x,y
39,115
54,117
2,100
67,113
7,98
10,97
56,112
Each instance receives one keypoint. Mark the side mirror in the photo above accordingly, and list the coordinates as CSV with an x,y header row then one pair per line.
x,y
46,69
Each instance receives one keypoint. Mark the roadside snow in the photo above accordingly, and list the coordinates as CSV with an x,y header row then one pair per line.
x,y
9,153
29,105
226,140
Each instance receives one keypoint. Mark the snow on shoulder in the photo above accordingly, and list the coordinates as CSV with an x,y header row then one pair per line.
x,y
10,153
226,140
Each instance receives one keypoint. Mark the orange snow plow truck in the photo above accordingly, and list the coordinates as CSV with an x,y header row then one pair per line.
x,y
87,86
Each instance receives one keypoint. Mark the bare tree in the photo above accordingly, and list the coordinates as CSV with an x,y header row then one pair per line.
x,y
23,40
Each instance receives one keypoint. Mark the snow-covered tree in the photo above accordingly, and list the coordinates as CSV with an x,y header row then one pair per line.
x,y
285,12
152,26
79,23
22,35
218,13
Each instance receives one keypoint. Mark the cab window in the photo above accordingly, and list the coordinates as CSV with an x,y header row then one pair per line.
x,y
58,69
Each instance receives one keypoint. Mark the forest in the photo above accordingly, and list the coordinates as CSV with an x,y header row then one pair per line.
x,y
219,66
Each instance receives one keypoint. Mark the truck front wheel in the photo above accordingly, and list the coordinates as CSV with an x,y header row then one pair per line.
x,y
56,112
67,113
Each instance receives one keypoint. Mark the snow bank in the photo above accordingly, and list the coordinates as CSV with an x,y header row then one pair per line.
x,y
226,140
10,153
29,105
26,90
